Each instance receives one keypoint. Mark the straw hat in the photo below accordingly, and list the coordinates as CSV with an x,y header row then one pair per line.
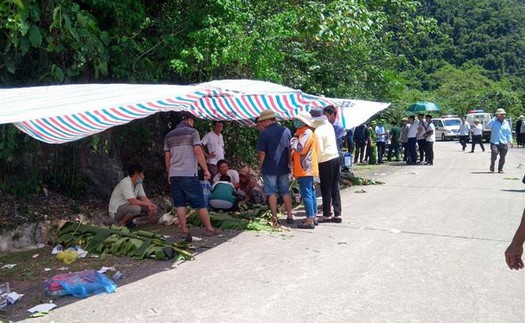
x,y
304,117
266,115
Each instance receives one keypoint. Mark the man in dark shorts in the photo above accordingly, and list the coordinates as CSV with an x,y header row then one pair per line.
x,y
182,152
273,148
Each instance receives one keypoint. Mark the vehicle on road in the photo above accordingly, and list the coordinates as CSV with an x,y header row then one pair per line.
x,y
447,127
483,117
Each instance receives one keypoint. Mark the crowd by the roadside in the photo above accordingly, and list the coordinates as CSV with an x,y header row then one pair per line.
x,y
199,175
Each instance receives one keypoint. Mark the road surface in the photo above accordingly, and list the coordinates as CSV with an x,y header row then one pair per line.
x,y
425,247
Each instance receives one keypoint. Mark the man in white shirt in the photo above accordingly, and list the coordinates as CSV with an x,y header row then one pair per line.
x,y
213,144
430,137
477,135
412,140
128,199
464,132
224,170
329,165
421,140
381,141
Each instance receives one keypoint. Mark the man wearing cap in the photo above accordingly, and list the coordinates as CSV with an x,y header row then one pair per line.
x,y
304,156
273,150
500,138
329,164
213,142
182,153
477,135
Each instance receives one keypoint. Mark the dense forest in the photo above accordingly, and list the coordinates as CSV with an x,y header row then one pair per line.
x,y
463,55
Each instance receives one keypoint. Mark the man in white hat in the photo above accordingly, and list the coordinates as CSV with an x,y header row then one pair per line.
x,y
500,139
273,150
304,155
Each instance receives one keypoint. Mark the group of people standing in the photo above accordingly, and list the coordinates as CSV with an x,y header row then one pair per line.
x,y
313,150
370,141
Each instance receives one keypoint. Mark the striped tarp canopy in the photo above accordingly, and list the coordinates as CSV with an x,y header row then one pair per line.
x,y
64,113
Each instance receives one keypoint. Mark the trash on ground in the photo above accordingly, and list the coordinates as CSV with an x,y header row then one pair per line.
x,y
194,238
67,256
104,269
79,284
118,275
4,288
8,266
13,297
168,219
81,252
47,269
46,307
57,249
360,191
35,255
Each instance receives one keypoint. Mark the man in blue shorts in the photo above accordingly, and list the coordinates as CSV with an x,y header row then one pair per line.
x,y
273,149
182,152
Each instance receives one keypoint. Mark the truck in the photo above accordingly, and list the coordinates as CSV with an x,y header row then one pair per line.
x,y
483,117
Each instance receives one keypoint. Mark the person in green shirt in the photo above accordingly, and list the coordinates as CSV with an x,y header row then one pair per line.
x,y
395,135
223,196
372,146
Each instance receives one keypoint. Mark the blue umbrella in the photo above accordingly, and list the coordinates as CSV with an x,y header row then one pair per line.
x,y
423,106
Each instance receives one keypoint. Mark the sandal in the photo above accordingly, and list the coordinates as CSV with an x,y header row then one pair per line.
x,y
186,236
336,219
289,220
306,226
211,233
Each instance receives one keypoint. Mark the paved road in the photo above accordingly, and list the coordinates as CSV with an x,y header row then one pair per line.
x,y
425,247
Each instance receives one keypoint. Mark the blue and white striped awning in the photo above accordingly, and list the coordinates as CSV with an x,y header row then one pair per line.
x,y
65,113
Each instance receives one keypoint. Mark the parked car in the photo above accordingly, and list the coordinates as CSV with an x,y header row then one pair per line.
x,y
447,127
483,117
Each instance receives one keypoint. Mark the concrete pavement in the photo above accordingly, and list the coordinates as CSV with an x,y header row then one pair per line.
x,y
425,247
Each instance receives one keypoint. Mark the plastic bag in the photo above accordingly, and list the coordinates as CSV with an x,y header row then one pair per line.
x,y
67,256
79,284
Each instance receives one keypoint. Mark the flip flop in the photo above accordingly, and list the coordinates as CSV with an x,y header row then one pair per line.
x,y
306,226
289,220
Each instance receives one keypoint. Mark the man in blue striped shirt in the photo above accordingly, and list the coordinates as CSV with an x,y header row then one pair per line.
x,y
500,138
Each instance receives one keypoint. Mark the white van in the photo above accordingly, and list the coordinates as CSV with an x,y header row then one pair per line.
x,y
483,117
447,127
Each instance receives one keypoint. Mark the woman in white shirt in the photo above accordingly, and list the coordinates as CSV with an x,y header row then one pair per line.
x,y
477,133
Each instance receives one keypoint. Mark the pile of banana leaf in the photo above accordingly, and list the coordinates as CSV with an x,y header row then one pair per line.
x,y
251,218
352,180
120,241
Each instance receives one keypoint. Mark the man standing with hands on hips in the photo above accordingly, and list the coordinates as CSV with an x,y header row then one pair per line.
x,y
213,142
500,139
